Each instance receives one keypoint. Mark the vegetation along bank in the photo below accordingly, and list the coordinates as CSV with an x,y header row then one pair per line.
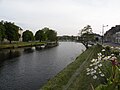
x,y
63,79
78,75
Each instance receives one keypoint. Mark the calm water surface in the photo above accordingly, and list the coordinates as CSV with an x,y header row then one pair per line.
x,y
30,70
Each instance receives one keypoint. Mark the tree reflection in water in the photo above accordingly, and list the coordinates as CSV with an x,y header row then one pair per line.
x,y
8,54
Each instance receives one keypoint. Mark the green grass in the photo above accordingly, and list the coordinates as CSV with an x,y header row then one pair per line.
x,y
19,44
81,82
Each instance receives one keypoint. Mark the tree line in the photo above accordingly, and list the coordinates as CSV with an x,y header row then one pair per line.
x,y
67,38
10,31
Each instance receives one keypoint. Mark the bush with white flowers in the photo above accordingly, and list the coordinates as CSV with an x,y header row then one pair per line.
x,y
95,67
95,70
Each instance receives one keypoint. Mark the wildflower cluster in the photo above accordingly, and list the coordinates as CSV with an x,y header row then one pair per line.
x,y
96,69
95,66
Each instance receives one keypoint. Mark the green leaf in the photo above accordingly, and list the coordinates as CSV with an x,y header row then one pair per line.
x,y
107,87
101,87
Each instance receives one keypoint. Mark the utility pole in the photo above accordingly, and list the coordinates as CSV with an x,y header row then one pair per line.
x,y
103,32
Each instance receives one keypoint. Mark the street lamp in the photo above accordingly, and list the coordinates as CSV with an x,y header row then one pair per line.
x,y
103,26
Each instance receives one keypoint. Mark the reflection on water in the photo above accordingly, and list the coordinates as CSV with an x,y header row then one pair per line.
x,y
9,54
38,48
29,49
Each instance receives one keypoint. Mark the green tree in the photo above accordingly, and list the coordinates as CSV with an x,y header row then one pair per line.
x,y
86,35
51,35
11,31
87,29
39,35
45,38
27,36
2,31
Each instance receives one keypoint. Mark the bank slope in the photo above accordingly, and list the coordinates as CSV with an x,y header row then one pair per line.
x,y
67,78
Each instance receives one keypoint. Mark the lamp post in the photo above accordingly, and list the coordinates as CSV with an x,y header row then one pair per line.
x,y
103,32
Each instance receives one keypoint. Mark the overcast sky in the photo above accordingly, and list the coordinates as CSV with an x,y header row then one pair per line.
x,y
67,17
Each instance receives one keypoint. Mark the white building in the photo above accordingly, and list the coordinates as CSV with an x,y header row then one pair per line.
x,y
117,37
20,31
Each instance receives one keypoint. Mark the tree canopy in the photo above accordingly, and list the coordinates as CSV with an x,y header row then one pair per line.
x,y
10,31
2,31
86,35
27,36
46,34
86,30
51,35
39,35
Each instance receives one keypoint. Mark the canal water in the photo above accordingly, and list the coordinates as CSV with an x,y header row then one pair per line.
x,y
29,70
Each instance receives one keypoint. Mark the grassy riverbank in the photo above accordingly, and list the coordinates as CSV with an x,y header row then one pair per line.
x,y
73,77
20,44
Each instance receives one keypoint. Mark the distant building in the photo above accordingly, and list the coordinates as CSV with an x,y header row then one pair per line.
x,y
113,35
116,37
108,37
20,31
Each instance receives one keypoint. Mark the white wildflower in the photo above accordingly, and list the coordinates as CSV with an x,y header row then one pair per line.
x,y
87,69
91,65
92,69
105,58
99,58
100,65
112,54
93,60
103,50
92,73
96,67
98,62
88,73
102,75
100,72
114,58
119,69
109,57
112,47
94,77
99,54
